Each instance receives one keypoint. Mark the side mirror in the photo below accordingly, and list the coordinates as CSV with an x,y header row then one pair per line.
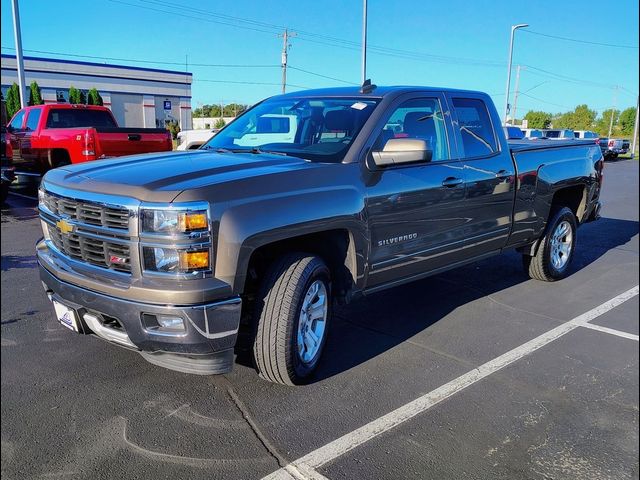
x,y
398,151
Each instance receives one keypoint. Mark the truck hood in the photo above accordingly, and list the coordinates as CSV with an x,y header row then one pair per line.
x,y
161,178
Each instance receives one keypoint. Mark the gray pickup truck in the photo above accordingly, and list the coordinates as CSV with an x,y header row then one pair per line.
x,y
306,200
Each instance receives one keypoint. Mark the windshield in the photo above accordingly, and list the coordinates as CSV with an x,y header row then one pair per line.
x,y
318,129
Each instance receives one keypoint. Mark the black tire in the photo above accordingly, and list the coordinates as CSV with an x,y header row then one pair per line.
x,y
540,266
278,308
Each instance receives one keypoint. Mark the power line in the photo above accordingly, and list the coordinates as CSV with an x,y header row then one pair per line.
x,y
156,62
544,101
320,75
246,83
264,27
575,40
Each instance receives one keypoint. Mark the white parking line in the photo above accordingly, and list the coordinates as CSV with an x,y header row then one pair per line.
x,y
611,331
305,467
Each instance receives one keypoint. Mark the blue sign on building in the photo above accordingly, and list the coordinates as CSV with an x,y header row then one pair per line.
x,y
167,104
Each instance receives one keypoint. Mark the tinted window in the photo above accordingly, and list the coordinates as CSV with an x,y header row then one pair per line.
x,y
33,119
16,123
72,117
577,135
420,118
552,134
476,130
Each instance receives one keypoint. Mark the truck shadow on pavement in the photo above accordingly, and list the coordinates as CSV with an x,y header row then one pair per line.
x,y
373,325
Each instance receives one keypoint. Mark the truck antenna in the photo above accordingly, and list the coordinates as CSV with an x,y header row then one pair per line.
x,y
367,86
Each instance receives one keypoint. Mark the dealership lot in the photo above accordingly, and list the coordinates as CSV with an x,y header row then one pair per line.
x,y
76,407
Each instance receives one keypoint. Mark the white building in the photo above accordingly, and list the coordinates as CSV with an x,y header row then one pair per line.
x,y
138,97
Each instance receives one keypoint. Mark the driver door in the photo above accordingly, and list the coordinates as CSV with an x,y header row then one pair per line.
x,y
416,212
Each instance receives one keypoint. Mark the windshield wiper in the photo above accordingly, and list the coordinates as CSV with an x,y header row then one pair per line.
x,y
254,150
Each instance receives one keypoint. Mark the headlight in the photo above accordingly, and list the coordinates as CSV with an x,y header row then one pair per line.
x,y
174,221
173,260
40,195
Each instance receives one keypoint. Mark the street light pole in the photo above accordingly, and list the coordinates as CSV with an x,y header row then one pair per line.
x,y
364,41
506,100
18,41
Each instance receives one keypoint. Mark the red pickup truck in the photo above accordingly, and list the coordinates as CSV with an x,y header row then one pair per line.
x,y
48,136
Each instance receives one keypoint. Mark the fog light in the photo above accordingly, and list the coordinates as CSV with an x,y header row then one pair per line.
x,y
168,322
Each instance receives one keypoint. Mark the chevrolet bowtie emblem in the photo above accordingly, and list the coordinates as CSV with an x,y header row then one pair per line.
x,y
64,226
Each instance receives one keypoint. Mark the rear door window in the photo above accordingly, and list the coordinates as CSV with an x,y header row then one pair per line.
x,y
475,127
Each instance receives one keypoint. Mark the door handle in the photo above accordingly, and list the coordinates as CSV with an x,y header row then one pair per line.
x,y
451,182
504,174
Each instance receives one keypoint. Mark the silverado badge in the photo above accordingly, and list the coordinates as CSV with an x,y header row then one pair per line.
x,y
64,226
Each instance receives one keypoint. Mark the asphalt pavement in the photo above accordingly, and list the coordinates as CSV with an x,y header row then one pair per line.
x,y
433,380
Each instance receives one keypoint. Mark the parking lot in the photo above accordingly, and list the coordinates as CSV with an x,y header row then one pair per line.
x,y
477,373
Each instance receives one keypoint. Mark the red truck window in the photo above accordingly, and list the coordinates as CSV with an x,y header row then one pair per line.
x,y
33,119
71,118
16,123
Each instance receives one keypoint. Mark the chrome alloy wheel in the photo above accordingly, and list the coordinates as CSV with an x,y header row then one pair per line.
x,y
313,321
561,245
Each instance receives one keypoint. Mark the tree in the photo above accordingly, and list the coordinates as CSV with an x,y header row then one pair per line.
x,y
627,121
35,97
538,119
174,127
94,98
219,123
76,96
602,125
13,100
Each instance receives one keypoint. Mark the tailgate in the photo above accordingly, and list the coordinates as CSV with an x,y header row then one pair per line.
x,y
117,142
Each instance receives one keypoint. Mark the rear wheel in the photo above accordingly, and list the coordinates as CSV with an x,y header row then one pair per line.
x,y
293,311
555,252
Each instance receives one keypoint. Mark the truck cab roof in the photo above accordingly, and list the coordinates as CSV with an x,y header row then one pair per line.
x,y
377,92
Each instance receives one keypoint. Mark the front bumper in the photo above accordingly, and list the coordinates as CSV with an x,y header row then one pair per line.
x,y
204,347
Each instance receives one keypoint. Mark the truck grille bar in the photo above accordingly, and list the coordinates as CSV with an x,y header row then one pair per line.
x,y
86,212
91,232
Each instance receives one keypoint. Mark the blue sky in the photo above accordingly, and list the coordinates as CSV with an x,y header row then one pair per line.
x,y
455,43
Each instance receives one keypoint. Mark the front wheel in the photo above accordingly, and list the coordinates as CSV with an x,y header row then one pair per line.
x,y
293,312
555,252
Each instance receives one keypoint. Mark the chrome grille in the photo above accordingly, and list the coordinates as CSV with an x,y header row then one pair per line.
x,y
86,212
96,252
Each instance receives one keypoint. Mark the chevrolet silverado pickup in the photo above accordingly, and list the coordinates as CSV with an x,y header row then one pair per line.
x,y
50,136
178,256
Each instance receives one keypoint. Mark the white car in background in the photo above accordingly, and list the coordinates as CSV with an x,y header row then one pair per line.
x,y
192,139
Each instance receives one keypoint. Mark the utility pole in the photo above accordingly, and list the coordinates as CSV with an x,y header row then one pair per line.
x,y
506,96
285,49
515,96
221,109
364,41
18,41
635,131
613,110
